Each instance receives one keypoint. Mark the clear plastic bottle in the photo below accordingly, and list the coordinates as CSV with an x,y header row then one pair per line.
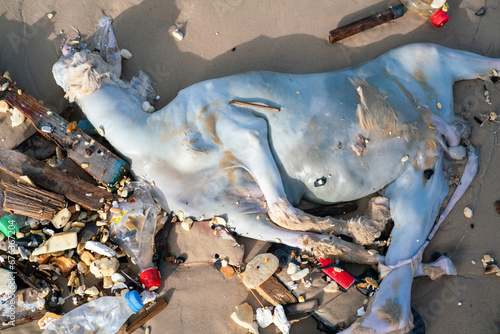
x,y
436,10
101,316
134,229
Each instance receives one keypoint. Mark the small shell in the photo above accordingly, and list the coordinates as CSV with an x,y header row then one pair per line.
x,y
61,218
17,118
439,105
82,267
107,283
219,221
299,275
100,131
372,282
125,54
118,278
187,224
104,236
301,299
468,212
178,35
50,16
93,291
404,159
4,106
148,108
331,287
292,268
77,224
486,259
338,269
493,116
307,284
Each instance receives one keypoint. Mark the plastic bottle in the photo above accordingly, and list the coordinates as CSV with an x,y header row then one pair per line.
x,y
103,315
436,10
134,229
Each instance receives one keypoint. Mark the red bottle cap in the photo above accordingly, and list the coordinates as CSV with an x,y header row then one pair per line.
x,y
439,18
151,279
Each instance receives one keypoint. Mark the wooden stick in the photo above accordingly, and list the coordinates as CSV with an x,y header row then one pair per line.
x,y
148,315
87,195
254,105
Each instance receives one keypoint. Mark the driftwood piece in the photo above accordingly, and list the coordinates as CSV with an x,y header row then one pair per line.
x,y
275,292
332,210
87,195
97,160
31,202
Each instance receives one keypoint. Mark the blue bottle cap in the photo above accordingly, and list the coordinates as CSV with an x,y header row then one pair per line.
x,y
134,300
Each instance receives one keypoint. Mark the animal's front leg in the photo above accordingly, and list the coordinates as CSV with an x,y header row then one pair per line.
x,y
415,203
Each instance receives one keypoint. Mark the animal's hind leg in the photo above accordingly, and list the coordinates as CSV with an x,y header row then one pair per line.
x,y
245,136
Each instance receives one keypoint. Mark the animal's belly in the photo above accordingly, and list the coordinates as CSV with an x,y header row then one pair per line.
x,y
337,173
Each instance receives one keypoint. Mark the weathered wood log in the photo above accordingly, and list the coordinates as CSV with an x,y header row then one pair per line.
x,y
275,292
97,160
31,202
87,195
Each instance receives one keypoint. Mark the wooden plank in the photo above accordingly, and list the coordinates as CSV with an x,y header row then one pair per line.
x,y
97,160
275,293
31,202
87,195
148,315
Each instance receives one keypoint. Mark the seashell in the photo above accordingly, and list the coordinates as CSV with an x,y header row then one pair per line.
x,y
338,269
487,259
104,267
301,299
64,264
17,118
224,263
61,218
77,224
71,279
493,116
439,106
147,108
277,240
187,224
491,269
371,282
4,106
180,215
468,212
104,236
4,87
299,275
219,221
50,16
292,268
100,130
331,287
93,291
82,267
118,278
107,283
99,248
178,35
101,223
119,285
125,54
404,159
307,284
87,258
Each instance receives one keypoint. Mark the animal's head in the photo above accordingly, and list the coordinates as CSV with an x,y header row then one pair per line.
x,y
81,71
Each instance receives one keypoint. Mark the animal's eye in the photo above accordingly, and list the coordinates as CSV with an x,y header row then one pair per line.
x,y
428,173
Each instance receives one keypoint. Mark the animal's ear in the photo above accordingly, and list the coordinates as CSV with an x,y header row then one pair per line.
x,y
105,42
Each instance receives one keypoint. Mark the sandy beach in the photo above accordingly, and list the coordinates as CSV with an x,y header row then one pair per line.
x,y
224,37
